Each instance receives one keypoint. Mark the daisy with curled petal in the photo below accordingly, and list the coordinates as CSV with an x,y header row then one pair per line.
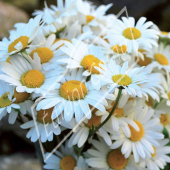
x,y
64,160
7,104
159,158
125,32
140,142
103,158
42,126
27,74
116,76
20,38
160,56
74,96
85,56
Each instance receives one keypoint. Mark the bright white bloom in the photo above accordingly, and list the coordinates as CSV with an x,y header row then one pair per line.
x,y
159,158
20,38
66,159
42,126
74,96
27,74
140,142
127,33
7,102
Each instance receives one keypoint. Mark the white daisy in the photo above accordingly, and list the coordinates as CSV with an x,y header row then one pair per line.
x,y
127,33
140,142
160,56
42,126
85,56
159,158
74,96
7,104
64,160
103,158
117,76
27,74
20,38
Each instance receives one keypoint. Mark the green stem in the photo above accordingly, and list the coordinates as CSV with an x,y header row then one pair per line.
x,y
111,113
157,103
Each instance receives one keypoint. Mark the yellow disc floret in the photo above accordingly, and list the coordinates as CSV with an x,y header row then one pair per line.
x,y
131,33
122,80
32,79
136,135
21,97
116,160
164,119
89,18
89,61
61,39
169,94
164,33
44,116
119,49
94,121
161,59
68,163
4,100
154,154
23,39
73,90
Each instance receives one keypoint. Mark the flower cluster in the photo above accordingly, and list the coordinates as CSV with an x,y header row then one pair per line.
x,y
100,82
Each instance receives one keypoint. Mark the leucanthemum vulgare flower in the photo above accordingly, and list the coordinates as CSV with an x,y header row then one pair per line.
x,y
7,104
101,156
85,56
116,76
27,74
66,159
140,142
42,127
159,158
20,38
126,33
73,96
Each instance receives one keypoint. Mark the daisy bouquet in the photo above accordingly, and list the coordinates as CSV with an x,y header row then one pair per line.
x,y
92,89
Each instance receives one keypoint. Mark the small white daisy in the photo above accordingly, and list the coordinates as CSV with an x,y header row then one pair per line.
x,y
27,74
127,33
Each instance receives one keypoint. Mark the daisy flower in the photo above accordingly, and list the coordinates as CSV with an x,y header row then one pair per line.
x,y
160,56
27,74
125,32
42,126
117,76
20,38
7,104
64,160
74,95
85,56
103,158
140,142
159,158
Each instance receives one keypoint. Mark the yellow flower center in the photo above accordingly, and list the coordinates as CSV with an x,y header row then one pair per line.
x,y
61,39
44,116
89,61
135,135
44,53
8,60
154,154
94,121
164,33
150,102
116,160
119,49
161,59
68,163
89,18
32,79
23,39
4,100
169,95
164,119
122,80
131,33
73,90
21,97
